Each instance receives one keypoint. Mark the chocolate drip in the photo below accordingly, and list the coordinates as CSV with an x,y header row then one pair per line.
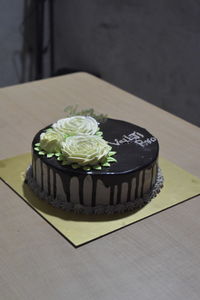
x,y
152,183
54,185
112,195
36,175
33,167
119,190
155,172
129,190
42,175
137,185
81,182
143,181
66,186
48,181
94,185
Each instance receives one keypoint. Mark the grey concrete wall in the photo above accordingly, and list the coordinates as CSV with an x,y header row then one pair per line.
x,y
149,48
18,42
11,39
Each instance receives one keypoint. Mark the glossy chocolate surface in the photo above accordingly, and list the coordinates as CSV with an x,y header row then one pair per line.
x,y
136,148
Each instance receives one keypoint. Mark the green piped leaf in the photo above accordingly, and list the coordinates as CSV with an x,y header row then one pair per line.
x,y
106,164
59,158
37,144
66,136
97,167
111,159
87,168
57,154
99,133
41,153
49,129
37,149
111,153
49,155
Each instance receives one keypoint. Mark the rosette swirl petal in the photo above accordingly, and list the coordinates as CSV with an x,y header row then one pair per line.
x,y
85,150
76,125
50,141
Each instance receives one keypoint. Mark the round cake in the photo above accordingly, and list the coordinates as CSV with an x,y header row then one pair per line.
x,y
128,180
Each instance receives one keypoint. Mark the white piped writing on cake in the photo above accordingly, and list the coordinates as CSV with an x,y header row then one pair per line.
x,y
134,137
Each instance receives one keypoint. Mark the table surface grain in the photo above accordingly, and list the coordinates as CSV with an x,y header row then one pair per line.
x,y
156,258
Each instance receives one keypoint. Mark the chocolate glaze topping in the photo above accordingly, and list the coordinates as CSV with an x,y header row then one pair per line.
x,y
131,156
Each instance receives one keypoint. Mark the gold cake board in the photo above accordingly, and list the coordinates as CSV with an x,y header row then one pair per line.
x,y
179,186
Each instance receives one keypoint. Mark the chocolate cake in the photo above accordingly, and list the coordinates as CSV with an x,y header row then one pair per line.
x,y
130,181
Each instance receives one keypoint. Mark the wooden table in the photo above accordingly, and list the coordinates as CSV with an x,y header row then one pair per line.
x,y
157,258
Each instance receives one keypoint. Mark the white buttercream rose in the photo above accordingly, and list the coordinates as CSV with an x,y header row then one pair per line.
x,y
76,125
85,150
50,141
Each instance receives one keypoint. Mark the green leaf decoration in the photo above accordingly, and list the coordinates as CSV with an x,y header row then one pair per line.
x,y
97,167
37,144
87,168
99,133
49,129
66,136
75,166
37,149
49,155
57,154
64,163
59,158
111,159
106,164
41,153
111,153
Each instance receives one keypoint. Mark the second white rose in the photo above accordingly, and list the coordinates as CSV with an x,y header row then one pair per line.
x,y
85,150
76,125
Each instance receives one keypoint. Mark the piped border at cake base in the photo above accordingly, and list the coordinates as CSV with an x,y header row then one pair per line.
x,y
100,209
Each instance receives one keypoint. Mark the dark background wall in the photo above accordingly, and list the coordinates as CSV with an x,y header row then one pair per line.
x,y
11,19
149,48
